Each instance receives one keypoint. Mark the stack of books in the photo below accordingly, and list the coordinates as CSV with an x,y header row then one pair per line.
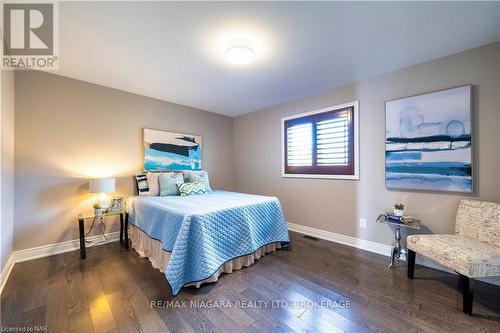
x,y
394,218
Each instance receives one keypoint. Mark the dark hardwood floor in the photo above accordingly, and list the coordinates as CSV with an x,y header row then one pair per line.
x,y
351,290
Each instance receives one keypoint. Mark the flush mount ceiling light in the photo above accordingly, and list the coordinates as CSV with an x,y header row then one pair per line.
x,y
240,53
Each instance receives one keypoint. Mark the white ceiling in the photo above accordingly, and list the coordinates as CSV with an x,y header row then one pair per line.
x,y
174,51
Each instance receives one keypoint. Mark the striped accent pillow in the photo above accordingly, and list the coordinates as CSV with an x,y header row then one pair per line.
x,y
193,188
142,184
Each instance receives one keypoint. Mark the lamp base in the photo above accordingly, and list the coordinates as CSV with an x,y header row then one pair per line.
x,y
104,201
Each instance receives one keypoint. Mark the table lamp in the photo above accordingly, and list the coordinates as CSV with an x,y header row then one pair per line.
x,y
103,186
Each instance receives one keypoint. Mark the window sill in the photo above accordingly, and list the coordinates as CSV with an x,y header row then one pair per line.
x,y
301,175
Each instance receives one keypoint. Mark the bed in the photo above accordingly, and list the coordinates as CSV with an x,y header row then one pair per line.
x,y
194,239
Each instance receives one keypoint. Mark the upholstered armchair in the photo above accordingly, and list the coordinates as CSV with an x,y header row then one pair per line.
x,y
473,251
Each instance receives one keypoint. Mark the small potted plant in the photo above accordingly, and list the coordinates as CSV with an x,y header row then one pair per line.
x,y
98,211
399,209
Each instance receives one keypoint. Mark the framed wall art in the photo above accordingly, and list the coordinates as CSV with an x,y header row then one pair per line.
x,y
428,141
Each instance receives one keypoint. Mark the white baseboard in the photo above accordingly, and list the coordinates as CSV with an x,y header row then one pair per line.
x,y
57,248
342,239
6,271
50,250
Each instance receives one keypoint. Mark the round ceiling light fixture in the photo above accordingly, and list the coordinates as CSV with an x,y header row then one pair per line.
x,y
240,53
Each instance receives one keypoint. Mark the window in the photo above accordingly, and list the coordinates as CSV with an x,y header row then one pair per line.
x,y
322,143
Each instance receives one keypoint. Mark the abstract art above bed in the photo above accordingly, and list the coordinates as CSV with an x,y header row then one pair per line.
x,y
167,151
428,141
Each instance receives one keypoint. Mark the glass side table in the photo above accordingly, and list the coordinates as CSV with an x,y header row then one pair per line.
x,y
407,222
123,228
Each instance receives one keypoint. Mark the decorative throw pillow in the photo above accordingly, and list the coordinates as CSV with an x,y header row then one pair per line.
x,y
142,184
153,183
200,176
168,183
193,188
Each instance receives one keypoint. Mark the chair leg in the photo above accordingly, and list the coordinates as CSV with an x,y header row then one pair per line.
x,y
411,264
468,293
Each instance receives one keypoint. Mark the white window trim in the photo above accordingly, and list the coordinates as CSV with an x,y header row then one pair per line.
x,y
355,105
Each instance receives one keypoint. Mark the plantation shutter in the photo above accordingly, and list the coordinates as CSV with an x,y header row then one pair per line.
x,y
321,143
332,139
300,144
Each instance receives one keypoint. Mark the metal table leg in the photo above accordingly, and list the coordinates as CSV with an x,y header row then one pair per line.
x,y
81,227
393,251
396,250
121,228
126,230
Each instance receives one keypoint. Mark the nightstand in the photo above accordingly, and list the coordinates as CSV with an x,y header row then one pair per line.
x,y
123,228
409,222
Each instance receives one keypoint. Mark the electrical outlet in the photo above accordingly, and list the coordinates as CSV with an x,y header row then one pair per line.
x,y
362,223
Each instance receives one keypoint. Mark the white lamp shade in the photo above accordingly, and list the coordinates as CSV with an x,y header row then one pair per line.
x,y
102,185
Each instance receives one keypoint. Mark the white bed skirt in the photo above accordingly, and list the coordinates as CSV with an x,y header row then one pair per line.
x,y
151,249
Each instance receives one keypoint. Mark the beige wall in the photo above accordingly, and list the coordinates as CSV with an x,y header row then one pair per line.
x,y
337,205
68,130
6,166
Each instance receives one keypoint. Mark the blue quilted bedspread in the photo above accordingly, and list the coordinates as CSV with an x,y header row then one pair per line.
x,y
202,232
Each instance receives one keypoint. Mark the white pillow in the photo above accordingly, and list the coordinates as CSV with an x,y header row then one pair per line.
x,y
154,185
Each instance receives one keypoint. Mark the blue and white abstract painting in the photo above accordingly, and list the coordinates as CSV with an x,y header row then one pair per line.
x,y
169,151
428,142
